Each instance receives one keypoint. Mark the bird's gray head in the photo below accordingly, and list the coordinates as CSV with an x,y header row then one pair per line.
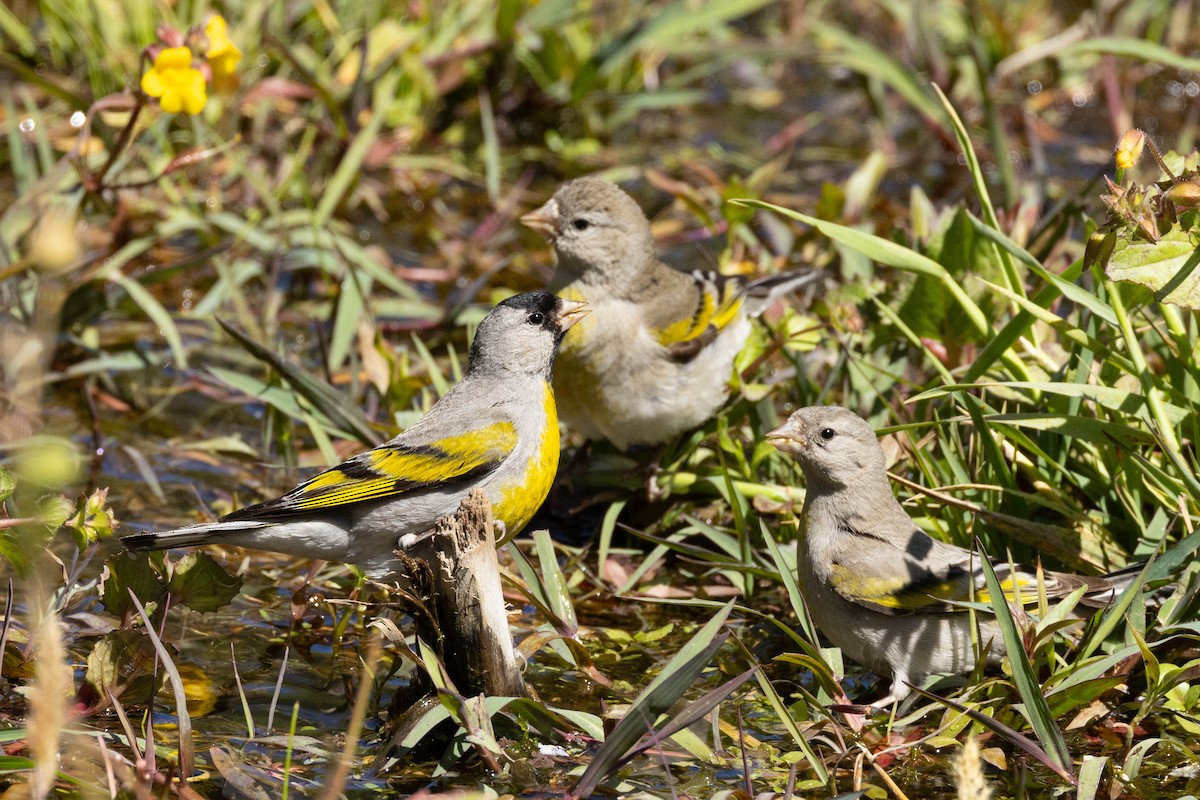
x,y
598,232
522,333
835,447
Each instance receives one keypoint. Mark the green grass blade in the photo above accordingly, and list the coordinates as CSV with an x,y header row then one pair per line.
x,y
1040,717
1150,52
1006,733
887,252
1015,284
787,574
324,398
668,686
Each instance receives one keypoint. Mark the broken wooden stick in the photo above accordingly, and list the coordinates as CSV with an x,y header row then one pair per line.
x,y
477,646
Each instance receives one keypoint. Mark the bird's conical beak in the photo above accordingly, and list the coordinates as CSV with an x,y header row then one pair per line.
x,y
570,312
785,437
544,220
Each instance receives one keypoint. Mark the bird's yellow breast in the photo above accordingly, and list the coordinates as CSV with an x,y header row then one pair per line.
x,y
522,497
574,338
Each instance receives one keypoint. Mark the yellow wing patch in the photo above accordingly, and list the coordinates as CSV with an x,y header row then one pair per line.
x,y
393,470
905,594
712,312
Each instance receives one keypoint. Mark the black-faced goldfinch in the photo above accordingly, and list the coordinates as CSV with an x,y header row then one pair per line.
x,y
875,584
496,430
655,357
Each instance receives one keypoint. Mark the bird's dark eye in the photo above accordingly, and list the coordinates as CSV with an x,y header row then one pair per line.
x,y
580,224
828,433
537,318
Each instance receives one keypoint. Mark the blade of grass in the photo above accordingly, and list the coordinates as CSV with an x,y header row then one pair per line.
x,y
1114,615
187,753
1014,738
788,576
668,686
1015,284
1057,754
694,712
350,167
329,402
358,714
886,252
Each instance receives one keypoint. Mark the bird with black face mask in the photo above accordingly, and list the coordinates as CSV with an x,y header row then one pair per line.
x,y
496,430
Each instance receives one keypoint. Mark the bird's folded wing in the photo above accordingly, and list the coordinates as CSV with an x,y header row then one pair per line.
x,y
394,469
916,590
691,326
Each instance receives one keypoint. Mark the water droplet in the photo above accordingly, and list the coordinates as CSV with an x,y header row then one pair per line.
x,y
1192,89
1175,89
364,235
1079,98
1034,87
262,60
99,451
211,202
77,119
27,125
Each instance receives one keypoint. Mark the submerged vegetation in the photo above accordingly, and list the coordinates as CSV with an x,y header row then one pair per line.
x,y
237,247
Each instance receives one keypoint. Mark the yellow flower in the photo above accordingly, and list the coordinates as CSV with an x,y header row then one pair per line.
x,y
223,55
175,82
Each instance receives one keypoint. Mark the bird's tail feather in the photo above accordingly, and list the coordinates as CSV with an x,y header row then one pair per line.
x,y
205,533
762,293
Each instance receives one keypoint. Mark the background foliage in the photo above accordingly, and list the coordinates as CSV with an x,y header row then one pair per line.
x,y
194,309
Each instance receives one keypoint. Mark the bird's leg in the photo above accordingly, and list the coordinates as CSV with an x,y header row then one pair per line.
x,y
899,691
651,472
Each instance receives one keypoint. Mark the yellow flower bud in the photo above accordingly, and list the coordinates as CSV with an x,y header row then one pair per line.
x,y
1129,148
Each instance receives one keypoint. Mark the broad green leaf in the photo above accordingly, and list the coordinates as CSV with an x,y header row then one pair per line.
x,y
129,571
122,663
201,584
1168,266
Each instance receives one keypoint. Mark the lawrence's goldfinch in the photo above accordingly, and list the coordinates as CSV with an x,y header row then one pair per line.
x,y
877,585
496,430
655,358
